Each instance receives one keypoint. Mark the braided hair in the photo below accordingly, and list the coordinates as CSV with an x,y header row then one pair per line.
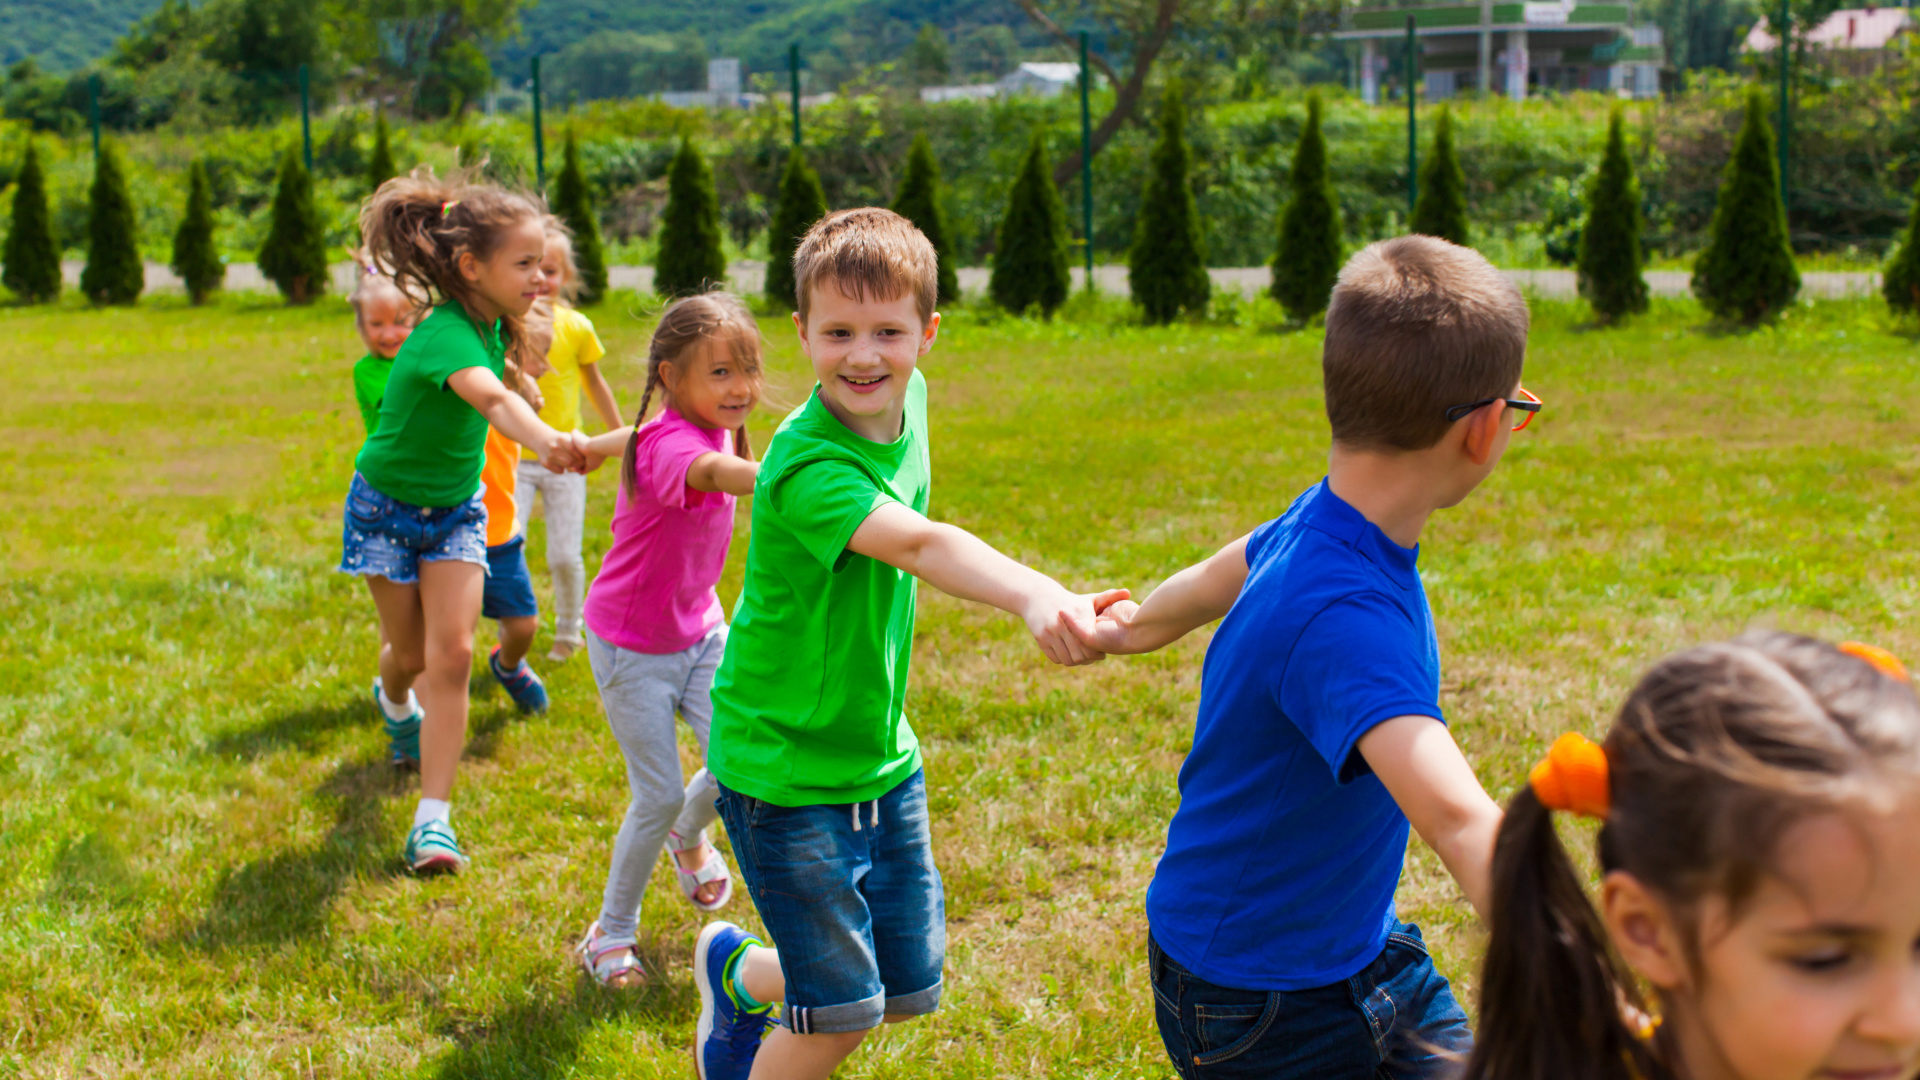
x,y
686,324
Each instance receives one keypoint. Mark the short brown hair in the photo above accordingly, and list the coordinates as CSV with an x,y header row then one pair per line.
x,y
1416,326
868,252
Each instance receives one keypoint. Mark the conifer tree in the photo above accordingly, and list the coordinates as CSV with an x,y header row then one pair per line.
x,y
1307,260
1030,252
1901,281
195,258
801,203
380,167
573,202
919,202
1167,268
1441,209
32,257
690,259
294,254
1746,272
115,273
1610,260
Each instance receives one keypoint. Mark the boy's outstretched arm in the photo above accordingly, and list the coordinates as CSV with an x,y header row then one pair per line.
x,y
961,564
1184,602
1425,772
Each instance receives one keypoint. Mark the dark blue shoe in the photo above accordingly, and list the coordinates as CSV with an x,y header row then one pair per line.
x,y
728,1034
403,736
523,686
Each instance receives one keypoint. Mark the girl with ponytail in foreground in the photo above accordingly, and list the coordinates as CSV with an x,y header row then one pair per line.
x,y
1758,916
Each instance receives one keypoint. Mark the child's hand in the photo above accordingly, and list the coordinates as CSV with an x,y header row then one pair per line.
x,y
1062,622
563,454
1113,627
593,458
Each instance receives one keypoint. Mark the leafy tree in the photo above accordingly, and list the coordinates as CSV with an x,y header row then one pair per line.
x,y
1307,260
1610,259
294,255
691,259
264,42
1137,29
1167,268
574,203
1030,254
801,203
380,166
1901,281
32,256
115,273
624,64
926,60
195,258
1441,209
1746,272
919,202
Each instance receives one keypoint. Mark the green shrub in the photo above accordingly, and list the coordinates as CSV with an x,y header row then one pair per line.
x,y
573,202
195,258
690,259
1307,260
801,203
115,273
919,202
380,167
1167,267
1901,281
1441,209
1610,258
32,257
1030,256
294,254
1746,272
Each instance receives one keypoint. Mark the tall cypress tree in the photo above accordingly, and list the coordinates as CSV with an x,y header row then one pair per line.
x,y
1030,252
380,167
1167,268
195,257
1441,209
1901,281
32,257
1746,272
800,204
573,201
690,259
1307,261
294,254
919,202
115,273
1610,259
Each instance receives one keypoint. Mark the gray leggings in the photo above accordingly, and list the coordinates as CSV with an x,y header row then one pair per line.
x,y
640,693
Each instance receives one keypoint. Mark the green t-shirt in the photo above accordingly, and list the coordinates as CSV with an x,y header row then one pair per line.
x,y
809,704
369,386
430,444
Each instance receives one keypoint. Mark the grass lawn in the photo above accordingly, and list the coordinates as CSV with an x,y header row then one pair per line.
x,y
202,874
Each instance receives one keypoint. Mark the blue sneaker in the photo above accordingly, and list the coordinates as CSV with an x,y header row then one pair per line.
x,y
729,1033
403,736
523,686
431,849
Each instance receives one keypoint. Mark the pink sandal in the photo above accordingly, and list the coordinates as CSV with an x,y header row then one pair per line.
x,y
610,960
691,880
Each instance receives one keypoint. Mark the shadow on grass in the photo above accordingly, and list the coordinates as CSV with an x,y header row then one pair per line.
x,y
544,1038
301,729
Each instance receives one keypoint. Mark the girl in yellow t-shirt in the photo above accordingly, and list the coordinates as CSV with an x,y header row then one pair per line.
x,y
574,360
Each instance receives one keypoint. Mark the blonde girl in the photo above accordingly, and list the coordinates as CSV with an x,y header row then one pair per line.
x,y
573,360
1760,860
415,521
384,318
654,629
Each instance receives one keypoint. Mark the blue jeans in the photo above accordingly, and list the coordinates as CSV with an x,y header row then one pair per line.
x,y
384,537
1395,1020
853,901
509,590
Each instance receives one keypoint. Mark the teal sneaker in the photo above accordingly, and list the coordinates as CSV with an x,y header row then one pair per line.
x,y
403,736
431,849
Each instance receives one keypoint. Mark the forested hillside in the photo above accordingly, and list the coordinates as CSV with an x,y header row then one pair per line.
x,y
65,34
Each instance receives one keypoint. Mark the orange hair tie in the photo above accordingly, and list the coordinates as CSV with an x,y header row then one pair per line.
x,y
1888,664
1573,777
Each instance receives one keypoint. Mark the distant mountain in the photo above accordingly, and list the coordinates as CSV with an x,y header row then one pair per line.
x,y
65,34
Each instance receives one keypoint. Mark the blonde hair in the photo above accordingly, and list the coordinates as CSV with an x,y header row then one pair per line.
x,y
685,325
369,284
558,231
867,252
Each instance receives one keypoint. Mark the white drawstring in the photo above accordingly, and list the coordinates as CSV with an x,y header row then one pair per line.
x,y
874,818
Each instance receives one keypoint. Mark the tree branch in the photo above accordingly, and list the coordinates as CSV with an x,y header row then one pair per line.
x,y
1127,94
1032,8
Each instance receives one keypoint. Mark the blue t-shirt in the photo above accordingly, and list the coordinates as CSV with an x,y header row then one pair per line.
x,y
1283,857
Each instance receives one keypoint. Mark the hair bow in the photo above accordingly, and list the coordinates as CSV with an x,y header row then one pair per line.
x,y
447,207
1887,663
1573,777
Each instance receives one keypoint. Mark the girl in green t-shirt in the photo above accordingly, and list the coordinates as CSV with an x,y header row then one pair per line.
x,y
415,523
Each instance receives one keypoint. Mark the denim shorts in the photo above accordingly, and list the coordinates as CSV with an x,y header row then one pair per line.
x,y
509,591
1396,1019
387,538
853,902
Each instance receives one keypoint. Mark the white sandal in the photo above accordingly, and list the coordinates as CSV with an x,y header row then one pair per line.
x,y
692,880
610,960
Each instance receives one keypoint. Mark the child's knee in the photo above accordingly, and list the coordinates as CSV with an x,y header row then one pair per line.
x,y
451,655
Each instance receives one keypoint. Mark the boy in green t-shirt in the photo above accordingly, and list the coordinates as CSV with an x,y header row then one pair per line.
x,y
820,780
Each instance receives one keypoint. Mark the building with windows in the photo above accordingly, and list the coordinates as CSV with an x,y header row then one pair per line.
x,y
1511,48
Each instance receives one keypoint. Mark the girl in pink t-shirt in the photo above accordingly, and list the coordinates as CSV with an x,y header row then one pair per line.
x,y
654,628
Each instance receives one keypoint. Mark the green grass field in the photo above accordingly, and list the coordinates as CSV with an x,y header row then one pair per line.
x,y
201,873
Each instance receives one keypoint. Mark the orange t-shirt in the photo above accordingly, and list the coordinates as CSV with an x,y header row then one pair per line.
x,y
503,459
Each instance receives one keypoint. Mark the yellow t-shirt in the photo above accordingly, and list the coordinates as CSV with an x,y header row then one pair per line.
x,y
574,344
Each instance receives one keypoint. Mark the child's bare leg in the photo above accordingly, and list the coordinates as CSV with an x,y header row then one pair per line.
x,y
786,1056
516,637
403,654
450,600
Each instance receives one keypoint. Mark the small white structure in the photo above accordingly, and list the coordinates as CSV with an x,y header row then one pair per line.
x,y
1041,79
932,94
722,92
1848,28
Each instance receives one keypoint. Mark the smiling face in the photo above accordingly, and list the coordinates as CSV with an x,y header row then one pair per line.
x,y
385,319
710,386
863,354
553,263
509,279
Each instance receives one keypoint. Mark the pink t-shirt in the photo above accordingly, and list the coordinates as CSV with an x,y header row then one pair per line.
x,y
654,593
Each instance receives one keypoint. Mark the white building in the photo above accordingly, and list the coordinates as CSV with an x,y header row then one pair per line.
x,y
1040,79
722,92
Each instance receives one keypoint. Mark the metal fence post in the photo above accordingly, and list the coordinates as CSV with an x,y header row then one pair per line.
x,y
93,110
1786,115
306,122
1413,152
1086,157
539,139
793,79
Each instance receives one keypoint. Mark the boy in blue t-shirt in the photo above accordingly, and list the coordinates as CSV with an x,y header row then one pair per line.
x,y
1275,949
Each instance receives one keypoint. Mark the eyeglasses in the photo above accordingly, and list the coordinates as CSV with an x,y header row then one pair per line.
x,y
1527,404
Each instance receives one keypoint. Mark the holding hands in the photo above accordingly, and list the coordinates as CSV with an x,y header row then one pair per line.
x,y
1064,624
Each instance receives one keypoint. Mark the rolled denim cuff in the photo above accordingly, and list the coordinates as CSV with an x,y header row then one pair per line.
x,y
862,1015
918,1003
